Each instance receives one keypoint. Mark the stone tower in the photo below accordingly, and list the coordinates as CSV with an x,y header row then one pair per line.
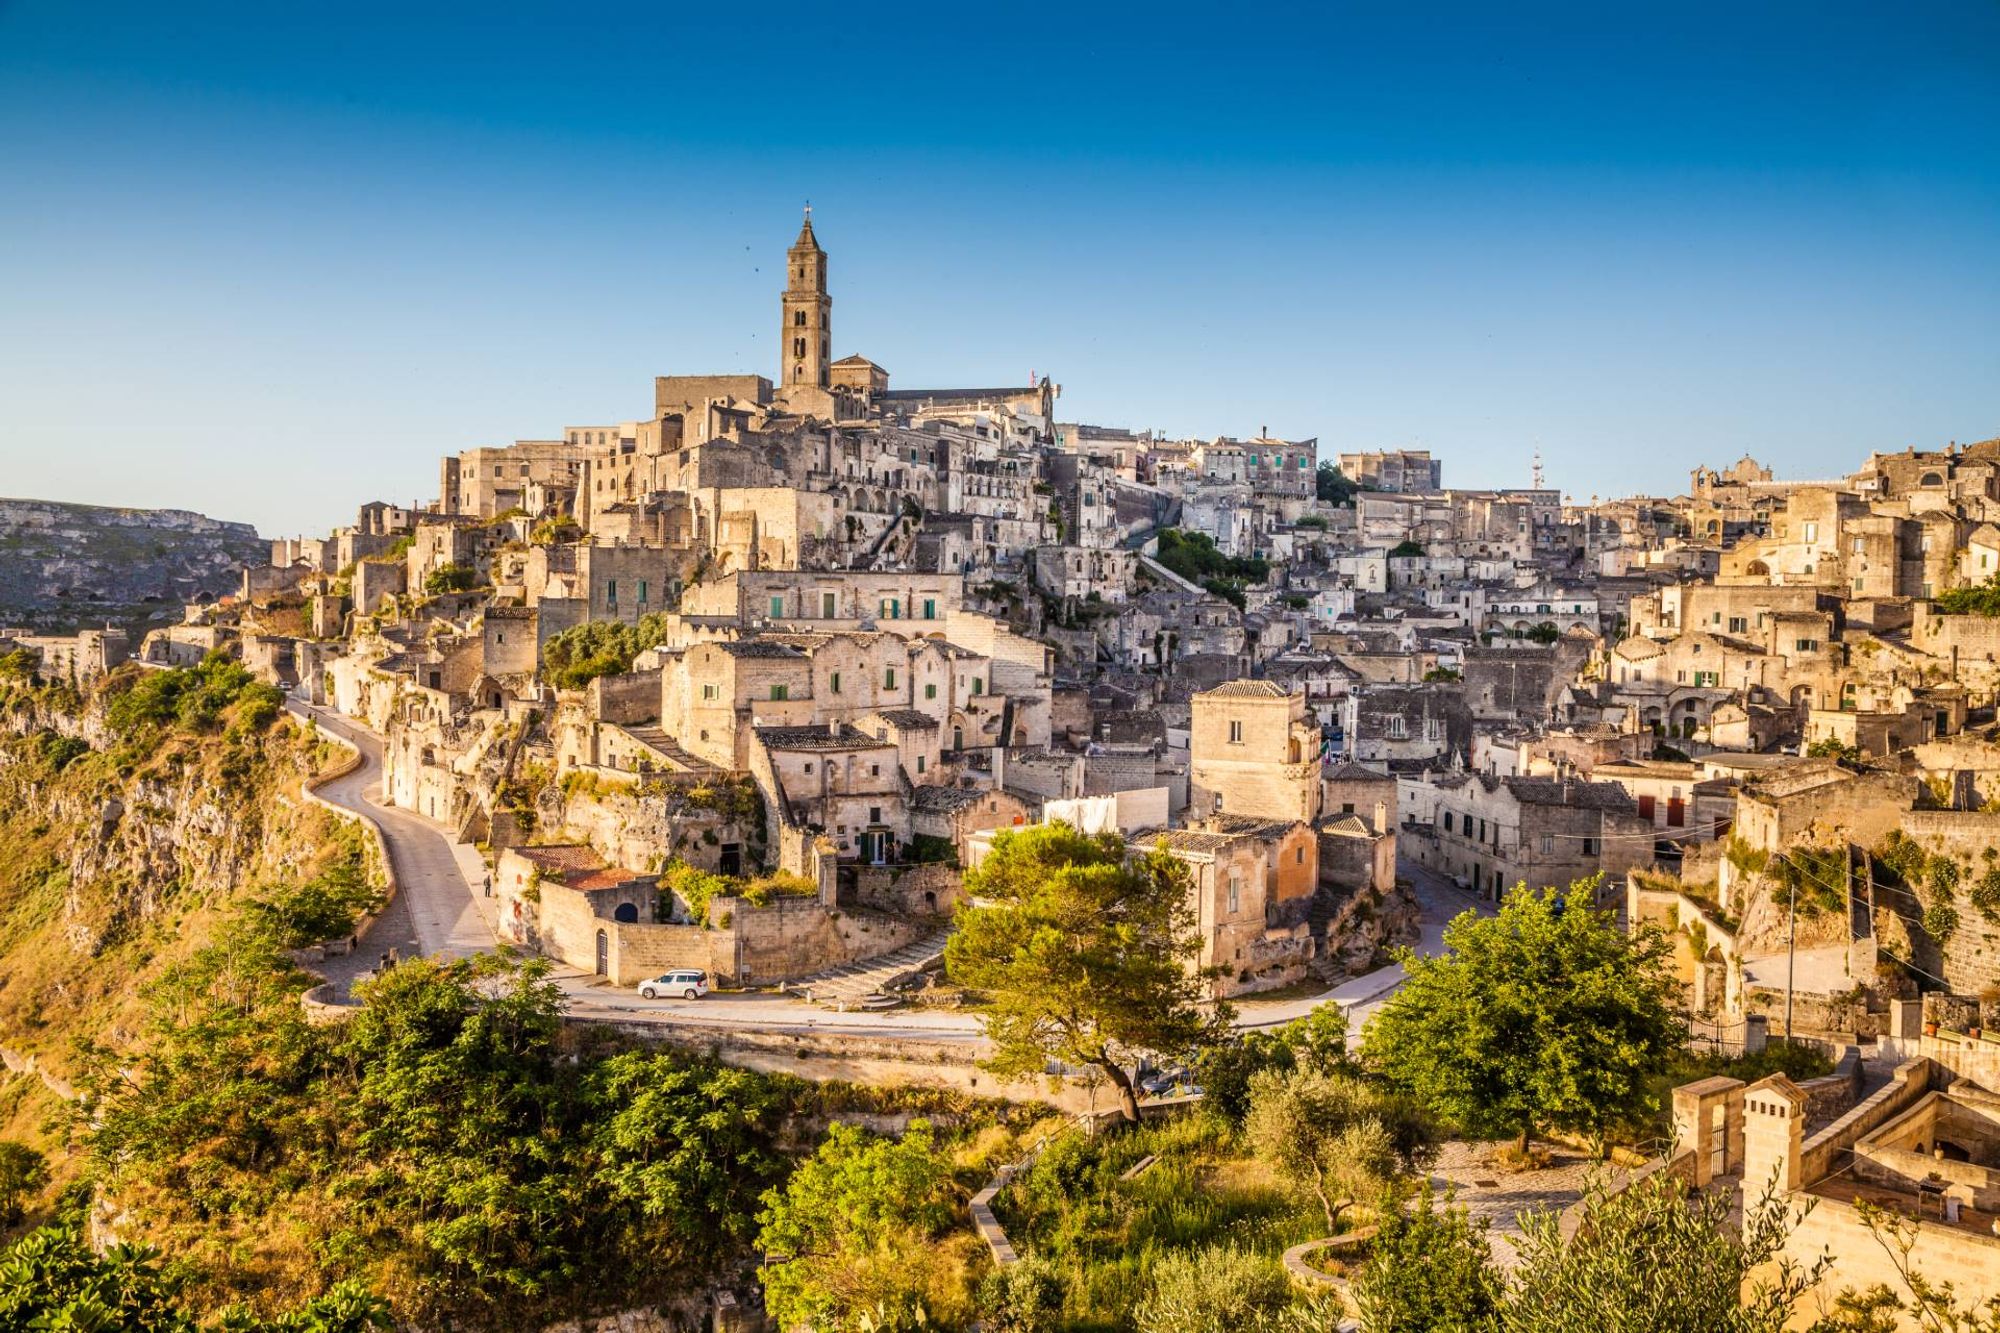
x,y
807,336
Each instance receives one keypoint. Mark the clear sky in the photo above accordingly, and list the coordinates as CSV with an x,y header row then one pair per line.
x,y
271,260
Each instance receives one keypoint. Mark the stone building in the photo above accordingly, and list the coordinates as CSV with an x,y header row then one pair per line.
x,y
1253,752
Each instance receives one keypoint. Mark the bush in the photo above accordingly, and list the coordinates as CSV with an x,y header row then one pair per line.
x,y
1216,1290
582,653
1429,1270
450,578
1024,1297
194,698
23,1172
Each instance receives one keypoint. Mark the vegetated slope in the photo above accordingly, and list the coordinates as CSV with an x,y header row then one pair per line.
x,y
132,816
451,1148
65,567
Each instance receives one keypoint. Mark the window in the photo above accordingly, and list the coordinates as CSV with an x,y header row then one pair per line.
x,y
611,592
827,606
1808,645
1812,532
777,604
1236,733
1398,729
708,692
930,608
874,770
1301,857
892,608
889,678
978,685
1548,843
834,682
809,765
920,763
1447,821
1235,891
930,691
1738,625
874,814
798,319
780,693
1590,846
798,347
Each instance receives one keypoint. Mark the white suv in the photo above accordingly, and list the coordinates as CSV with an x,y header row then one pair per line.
x,y
686,983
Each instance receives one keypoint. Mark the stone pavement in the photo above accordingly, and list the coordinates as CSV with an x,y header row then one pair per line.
x,y
1821,971
1501,1198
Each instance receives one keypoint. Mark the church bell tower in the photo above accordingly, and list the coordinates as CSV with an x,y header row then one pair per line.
x,y
806,340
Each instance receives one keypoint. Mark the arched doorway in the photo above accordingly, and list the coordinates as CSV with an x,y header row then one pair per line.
x,y
626,912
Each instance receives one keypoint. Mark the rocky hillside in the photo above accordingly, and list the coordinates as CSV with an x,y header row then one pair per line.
x,y
131,818
66,566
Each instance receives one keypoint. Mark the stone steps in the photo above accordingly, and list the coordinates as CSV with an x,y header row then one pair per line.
x,y
865,985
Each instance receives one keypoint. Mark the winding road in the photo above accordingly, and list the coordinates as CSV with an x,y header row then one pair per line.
x,y
436,910
439,910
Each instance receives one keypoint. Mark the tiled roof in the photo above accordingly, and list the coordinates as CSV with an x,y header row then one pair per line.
x,y
909,719
757,648
1247,689
1350,771
817,738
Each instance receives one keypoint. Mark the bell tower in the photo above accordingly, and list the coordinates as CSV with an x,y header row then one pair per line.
x,y
806,340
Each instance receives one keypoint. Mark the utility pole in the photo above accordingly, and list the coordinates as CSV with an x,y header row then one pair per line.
x,y
1791,938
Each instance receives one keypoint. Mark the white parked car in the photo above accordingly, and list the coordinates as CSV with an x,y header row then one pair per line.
x,y
686,983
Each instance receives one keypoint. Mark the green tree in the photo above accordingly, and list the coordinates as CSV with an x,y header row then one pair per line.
x,y
1331,485
1334,1136
1547,1015
1082,957
688,1146
1317,1042
450,578
1657,1258
851,1230
459,1107
1543,632
1429,1270
23,1172
50,1279
1974,599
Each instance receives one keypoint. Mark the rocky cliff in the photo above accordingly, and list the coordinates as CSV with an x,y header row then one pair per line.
x,y
65,567
120,852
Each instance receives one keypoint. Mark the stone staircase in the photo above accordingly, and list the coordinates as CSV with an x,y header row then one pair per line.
x,y
653,736
866,985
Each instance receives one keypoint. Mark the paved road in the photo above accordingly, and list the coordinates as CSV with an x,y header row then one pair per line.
x,y
436,910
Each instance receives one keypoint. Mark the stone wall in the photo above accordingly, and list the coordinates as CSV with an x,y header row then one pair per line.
x,y
871,1060
917,890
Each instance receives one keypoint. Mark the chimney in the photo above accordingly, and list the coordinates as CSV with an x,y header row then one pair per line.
x,y
833,727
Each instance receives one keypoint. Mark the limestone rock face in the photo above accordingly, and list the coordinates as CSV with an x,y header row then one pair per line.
x,y
65,567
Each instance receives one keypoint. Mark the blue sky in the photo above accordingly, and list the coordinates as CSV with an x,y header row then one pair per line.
x,y
270,263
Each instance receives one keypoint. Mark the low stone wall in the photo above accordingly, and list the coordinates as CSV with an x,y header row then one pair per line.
x,y
833,1057
1821,1153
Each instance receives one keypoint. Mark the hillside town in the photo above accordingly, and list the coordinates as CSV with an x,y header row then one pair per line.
x,y
747,682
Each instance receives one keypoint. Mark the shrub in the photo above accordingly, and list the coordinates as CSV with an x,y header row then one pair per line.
x,y
23,1172
450,578
1216,1290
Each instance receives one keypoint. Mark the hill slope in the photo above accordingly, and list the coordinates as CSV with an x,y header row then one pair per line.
x,y
67,566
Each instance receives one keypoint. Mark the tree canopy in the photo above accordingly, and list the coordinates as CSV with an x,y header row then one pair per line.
x,y
582,653
1545,1016
1083,957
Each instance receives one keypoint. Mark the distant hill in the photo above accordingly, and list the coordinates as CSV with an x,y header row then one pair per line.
x,y
67,566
